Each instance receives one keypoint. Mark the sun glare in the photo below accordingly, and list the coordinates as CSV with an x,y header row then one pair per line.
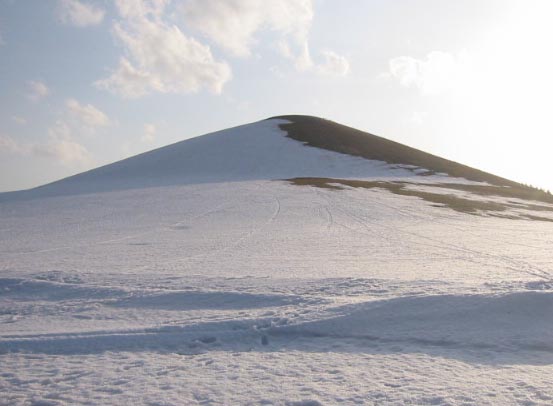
x,y
508,90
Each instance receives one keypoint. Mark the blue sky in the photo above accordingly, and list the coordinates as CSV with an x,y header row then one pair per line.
x,y
85,83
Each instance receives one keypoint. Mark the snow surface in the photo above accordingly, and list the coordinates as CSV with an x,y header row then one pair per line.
x,y
254,151
256,291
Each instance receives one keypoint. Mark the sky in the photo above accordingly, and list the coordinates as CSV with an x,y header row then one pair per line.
x,y
87,82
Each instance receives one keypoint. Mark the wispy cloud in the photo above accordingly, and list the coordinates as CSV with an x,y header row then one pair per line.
x,y
333,64
80,14
11,146
418,117
19,120
63,148
149,135
87,114
37,90
158,56
234,24
438,72
59,146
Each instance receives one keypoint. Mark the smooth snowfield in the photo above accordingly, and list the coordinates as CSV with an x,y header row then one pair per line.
x,y
257,291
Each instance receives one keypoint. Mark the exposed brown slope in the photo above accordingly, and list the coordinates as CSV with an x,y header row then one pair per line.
x,y
326,134
460,204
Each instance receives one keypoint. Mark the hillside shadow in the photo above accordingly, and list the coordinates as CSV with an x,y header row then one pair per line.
x,y
28,290
205,301
510,329
39,290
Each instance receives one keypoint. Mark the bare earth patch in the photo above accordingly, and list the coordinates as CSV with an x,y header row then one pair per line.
x,y
460,204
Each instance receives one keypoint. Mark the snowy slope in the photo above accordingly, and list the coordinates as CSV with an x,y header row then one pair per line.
x,y
250,152
207,279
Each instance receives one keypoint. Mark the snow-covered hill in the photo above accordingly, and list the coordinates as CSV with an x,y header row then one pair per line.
x,y
268,265
257,151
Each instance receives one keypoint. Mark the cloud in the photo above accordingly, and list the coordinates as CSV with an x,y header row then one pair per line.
x,y
418,117
233,25
298,53
158,56
87,115
60,147
63,148
141,8
66,151
9,145
439,72
149,134
80,14
126,81
19,120
334,64
37,90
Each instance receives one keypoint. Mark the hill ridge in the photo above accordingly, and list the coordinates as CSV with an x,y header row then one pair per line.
x,y
272,149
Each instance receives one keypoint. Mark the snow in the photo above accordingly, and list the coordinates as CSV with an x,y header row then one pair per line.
x,y
248,152
237,290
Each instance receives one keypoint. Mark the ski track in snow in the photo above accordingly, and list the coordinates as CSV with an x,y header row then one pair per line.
x,y
263,293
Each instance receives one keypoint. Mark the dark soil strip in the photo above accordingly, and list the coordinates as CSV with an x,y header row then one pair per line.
x,y
325,134
456,203
525,193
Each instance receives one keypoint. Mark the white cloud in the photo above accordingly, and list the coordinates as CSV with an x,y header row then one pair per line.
x,y
141,8
37,90
87,115
126,81
334,64
440,71
67,151
298,53
19,120
233,25
63,148
9,145
418,117
80,14
159,57
149,134
60,146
